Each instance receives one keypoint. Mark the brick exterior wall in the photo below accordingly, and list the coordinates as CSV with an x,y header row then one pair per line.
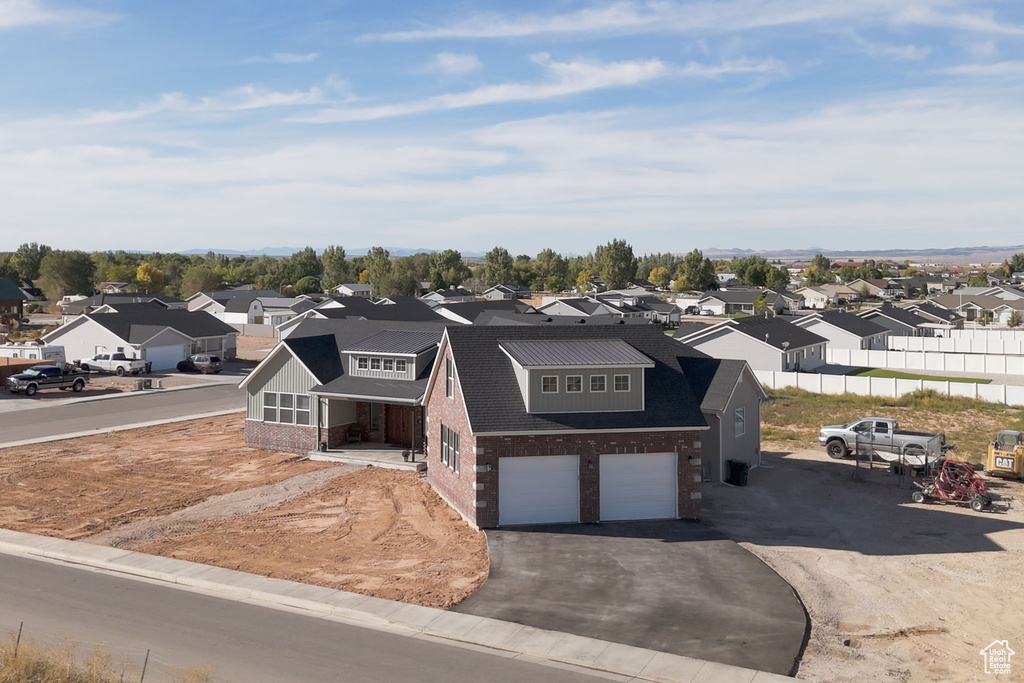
x,y
336,436
473,491
279,437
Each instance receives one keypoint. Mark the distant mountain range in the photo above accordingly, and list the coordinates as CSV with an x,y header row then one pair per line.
x,y
953,255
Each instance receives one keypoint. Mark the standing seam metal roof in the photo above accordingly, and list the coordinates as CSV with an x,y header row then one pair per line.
x,y
397,341
553,353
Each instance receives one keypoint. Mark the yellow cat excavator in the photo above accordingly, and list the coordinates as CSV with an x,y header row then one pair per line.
x,y
1006,454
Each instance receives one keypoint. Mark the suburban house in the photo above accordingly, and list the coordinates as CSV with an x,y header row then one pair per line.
x,y
147,331
354,289
12,300
466,313
765,342
843,293
845,330
333,382
877,288
454,295
534,318
31,291
638,303
817,298
398,309
946,319
577,307
733,301
542,424
215,302
93,303
264,310
730,398
900,321
113,287
788,301
507,292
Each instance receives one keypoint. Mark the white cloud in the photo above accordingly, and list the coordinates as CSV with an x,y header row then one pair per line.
x,y
452,64
626,17
992,69
15,13
283,58
888,50
563,79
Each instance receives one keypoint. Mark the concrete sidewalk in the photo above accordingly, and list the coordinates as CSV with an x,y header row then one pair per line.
x,y
616,661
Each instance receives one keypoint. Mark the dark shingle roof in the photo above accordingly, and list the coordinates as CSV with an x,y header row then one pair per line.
x,y
713,381
225,294
852,323
585,306
495,404
319,353
685,329
115,300
238,304
937,312
9,290
776,332
538,353
901,315
397,341
194,324
514,318
471,310
404,309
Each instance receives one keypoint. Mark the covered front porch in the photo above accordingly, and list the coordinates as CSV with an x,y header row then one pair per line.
x,y
351,423
375,454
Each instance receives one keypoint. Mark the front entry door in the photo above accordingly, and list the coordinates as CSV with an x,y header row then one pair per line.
x,y
399,425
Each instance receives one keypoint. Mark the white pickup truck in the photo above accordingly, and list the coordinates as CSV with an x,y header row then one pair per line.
x,y
883,436
117,363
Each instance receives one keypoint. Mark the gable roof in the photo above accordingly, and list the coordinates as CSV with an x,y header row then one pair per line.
x,y
192,324
9,290
471,310
930,309
713,381
585,306
405,309
901,315
776,332
117,300
538,318
851,323
318,353
225,294
494,401
397,341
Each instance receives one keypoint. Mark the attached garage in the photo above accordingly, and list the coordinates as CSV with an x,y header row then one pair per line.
x,y
538,489
166,357
639,486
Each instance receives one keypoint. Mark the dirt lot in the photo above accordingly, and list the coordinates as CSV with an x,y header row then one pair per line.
x,y
253,348
193,490
895,591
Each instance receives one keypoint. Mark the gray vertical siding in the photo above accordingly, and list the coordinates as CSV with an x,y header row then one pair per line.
x,y
587,401
353,369
284,374
734,345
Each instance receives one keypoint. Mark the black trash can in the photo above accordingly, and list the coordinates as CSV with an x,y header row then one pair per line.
x,y
738,472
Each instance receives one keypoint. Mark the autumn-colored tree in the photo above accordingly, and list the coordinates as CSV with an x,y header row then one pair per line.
x,y
149,278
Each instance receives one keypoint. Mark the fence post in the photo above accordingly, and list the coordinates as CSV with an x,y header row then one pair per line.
x,y
145,663
17,642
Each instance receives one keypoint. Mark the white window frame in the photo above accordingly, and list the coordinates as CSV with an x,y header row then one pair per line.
x,y
543,388
307,411
387,362
272,406
375,364
401,365
739,422
568,378
362,363
290,408
615,384
449,378
604,384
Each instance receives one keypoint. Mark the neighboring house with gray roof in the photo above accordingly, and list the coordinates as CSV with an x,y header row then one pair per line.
x,y
113,301
766,343
213,302
845,330
333,381
510,291
354,289
453,295
900,321
12,300
146,331
539,424
944,318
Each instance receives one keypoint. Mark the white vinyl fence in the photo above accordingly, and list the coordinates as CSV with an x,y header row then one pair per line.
x,y
255,330
887,386
978,363
1016,333
993,345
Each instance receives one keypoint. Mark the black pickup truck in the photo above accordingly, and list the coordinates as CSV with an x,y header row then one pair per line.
x,y
47,377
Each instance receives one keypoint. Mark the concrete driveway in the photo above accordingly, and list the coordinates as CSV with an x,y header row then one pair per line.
x,y
673,586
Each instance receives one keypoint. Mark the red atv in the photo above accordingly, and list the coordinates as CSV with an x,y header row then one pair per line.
x,y
955,482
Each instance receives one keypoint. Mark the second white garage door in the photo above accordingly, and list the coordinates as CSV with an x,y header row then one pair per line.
x,y
165,357
638,486
539,490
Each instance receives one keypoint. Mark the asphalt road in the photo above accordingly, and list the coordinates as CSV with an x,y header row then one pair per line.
x,y
115,412
244,642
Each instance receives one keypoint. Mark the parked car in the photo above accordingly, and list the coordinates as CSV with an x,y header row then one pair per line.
x,y
47,377
883,436
117,363
201,362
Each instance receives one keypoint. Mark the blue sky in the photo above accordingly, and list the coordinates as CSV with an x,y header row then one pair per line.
x,y
717,123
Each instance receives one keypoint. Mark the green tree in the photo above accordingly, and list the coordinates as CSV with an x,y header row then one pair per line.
x,y
498,265
66,272
978,280
777,278
447,269
1016,263
299,265
1014,320
335,267
550,271
583,280
378,262
615,264
760,304
200,279
820,271
660,276
149,278
28,258
697,273
308,285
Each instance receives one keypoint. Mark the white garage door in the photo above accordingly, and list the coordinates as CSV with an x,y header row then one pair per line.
x,y
539,490
165,357
638,486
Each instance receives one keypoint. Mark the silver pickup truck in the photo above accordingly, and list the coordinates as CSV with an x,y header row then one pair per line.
x,y
883,436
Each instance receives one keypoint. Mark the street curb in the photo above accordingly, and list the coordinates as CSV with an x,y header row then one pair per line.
x,y
121,394
503,638
119,428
